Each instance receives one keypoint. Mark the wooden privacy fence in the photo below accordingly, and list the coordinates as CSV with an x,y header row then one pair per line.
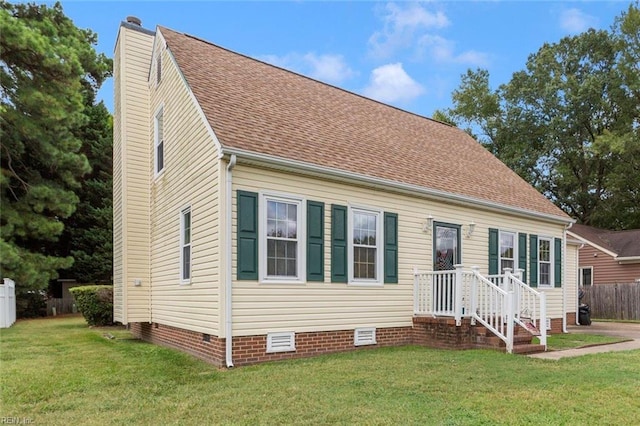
x,y
613,301
7,303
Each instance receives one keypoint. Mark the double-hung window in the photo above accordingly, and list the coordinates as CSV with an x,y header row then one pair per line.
x,y
185,245
544,262
507,251
365,249
158,148
158,68
282,239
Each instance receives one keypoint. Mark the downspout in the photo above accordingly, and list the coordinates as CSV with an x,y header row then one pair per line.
x,y
229,264
564,277
578,278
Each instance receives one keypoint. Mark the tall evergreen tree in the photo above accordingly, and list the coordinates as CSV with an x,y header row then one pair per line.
x,y
48,69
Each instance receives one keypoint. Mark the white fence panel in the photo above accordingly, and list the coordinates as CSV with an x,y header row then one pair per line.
x,y
7,303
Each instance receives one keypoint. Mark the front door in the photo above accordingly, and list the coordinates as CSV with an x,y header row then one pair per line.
x,y
446,246
446,254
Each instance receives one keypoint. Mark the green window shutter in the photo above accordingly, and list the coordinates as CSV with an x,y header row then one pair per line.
x,y
533,260
557,262
493,252
522,255
391,248
315,241
338,244
247,235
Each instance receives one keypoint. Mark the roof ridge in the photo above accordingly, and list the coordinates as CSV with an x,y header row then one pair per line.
x,y
313,79
260,107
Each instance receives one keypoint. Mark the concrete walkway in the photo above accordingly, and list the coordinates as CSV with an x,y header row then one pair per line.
x,y
617,329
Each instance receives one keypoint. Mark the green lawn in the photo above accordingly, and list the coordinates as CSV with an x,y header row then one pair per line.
x,y
58,371
557,342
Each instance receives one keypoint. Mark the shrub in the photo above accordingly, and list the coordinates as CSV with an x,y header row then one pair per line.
x,y
30,304
95,302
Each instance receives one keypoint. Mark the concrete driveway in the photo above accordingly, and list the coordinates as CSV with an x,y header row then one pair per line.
x,y
616,329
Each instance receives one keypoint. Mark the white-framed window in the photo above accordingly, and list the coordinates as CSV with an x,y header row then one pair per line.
x,y
545,262
185,245
365,246
158,68
158,144
282,239
586,276
507,251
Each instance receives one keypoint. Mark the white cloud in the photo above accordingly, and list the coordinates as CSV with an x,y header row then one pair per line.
x,y
400,25
443,50
390,83
576,21
329,68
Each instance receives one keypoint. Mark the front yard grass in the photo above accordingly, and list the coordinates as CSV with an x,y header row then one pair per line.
x,y
58,371
558,342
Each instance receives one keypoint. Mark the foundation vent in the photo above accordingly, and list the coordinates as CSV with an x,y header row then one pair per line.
x,y
364,336
281,342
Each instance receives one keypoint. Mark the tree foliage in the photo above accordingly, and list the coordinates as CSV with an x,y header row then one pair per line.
x,y
88,233
569,123
48,71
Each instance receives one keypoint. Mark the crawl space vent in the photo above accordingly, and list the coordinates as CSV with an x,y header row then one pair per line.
x,y
281,342
364,336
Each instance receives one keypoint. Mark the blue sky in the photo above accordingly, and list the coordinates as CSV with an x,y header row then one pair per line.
x,y
407,54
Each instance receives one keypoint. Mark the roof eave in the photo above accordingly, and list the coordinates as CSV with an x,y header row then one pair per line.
x,y
317,170
594,245
628,259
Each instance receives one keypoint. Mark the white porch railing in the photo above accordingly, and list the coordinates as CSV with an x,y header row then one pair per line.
x,y
491,300
492,307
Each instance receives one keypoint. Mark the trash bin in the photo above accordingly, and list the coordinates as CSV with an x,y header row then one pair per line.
x,y
584,314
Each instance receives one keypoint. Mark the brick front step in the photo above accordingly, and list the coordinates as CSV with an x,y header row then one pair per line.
x,y
443,333
527,349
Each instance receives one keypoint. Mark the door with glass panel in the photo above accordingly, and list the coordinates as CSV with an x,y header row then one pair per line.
x,y
446,254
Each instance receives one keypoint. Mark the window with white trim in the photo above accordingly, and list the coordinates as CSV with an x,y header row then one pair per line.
x,y
158,68
586,276
507,251
185,245
158,144
365,246
545,277
282,239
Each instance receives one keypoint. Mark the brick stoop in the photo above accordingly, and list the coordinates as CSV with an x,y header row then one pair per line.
x,y
443,333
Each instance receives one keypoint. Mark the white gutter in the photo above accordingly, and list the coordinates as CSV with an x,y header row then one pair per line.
x,y
313,169
229,265
564,278
578,284
627,259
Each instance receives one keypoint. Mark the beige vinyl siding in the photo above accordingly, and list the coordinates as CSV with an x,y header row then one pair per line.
x,y
118,270
260,308
607,270
131,184
136,100
190,178
571,277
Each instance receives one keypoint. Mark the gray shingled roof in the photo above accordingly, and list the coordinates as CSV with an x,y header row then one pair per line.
x,y
623,243
257,107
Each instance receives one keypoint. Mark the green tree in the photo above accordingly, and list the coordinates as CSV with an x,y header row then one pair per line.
x,y
49,68
569,122
88,232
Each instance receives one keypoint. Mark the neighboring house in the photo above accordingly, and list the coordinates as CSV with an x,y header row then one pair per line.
x,y
607,257
260,215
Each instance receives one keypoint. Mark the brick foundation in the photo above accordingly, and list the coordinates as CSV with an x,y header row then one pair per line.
x,y
426,331
253,349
